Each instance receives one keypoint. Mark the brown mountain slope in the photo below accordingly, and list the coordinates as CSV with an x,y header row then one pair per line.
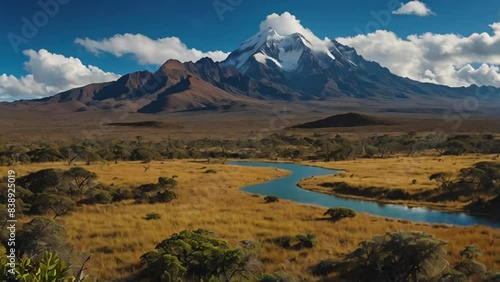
x,y
193,93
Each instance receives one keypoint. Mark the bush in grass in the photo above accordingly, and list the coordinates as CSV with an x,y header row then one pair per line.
x,y
339,213
98,196
271,199
122,194
297,242
279,276
167,182
152,216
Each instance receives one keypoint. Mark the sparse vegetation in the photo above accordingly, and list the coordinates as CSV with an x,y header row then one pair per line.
x,y
86,209
301,241
152,216
293,147
337,214
271,199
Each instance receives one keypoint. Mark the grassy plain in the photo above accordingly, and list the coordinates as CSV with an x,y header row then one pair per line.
x,y
396,173
116,235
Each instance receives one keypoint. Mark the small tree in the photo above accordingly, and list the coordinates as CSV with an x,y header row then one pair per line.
x,y
58,204
145,154
473,270
41,235
445,179
396,256
68,154
45,180
81,178
120,153
197,255
470,252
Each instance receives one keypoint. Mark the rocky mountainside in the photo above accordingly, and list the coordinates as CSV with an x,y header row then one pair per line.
x,y
267,66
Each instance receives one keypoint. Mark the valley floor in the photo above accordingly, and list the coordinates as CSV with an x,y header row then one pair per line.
x,y
117,235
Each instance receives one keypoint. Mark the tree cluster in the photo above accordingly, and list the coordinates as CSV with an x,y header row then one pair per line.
x,y
294,147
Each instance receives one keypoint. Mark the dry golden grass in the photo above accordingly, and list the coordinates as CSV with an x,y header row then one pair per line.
x,y
396,173
117,235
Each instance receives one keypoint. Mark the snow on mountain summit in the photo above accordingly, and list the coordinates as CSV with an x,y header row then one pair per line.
x,y
284,51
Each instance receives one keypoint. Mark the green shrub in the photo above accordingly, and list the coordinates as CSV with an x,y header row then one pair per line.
x,y
271,199
197,256
152,216
98,196
339,213
297,242
307,240
210,171
163,197
279,276
50,268
167,182
408,255
41,235
122,194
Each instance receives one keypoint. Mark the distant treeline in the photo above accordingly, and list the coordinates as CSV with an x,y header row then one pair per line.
x,y
325,147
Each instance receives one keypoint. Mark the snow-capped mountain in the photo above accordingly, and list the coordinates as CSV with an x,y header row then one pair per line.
x,y
291,66
308,65
274,50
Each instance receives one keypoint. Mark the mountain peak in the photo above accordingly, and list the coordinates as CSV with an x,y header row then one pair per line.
x,y
271,49
172,64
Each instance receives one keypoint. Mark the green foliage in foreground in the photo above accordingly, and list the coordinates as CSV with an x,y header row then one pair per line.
x,y
198,256
47,269
403,256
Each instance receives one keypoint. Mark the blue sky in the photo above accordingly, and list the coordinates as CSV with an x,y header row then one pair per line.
x,y
198,24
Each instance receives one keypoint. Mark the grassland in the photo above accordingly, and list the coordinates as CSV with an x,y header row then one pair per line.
x,y
117,235
410,174
32,124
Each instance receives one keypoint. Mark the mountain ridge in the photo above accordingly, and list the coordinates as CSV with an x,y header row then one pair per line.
x,y
267,66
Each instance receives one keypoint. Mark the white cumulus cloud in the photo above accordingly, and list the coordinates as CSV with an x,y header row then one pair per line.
x,y
414,7
50,73
286,24
438,58
147,50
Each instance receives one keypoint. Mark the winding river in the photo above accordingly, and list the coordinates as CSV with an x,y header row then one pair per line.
x,y
286,188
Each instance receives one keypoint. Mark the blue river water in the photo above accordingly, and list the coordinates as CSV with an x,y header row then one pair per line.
x,y
286,188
